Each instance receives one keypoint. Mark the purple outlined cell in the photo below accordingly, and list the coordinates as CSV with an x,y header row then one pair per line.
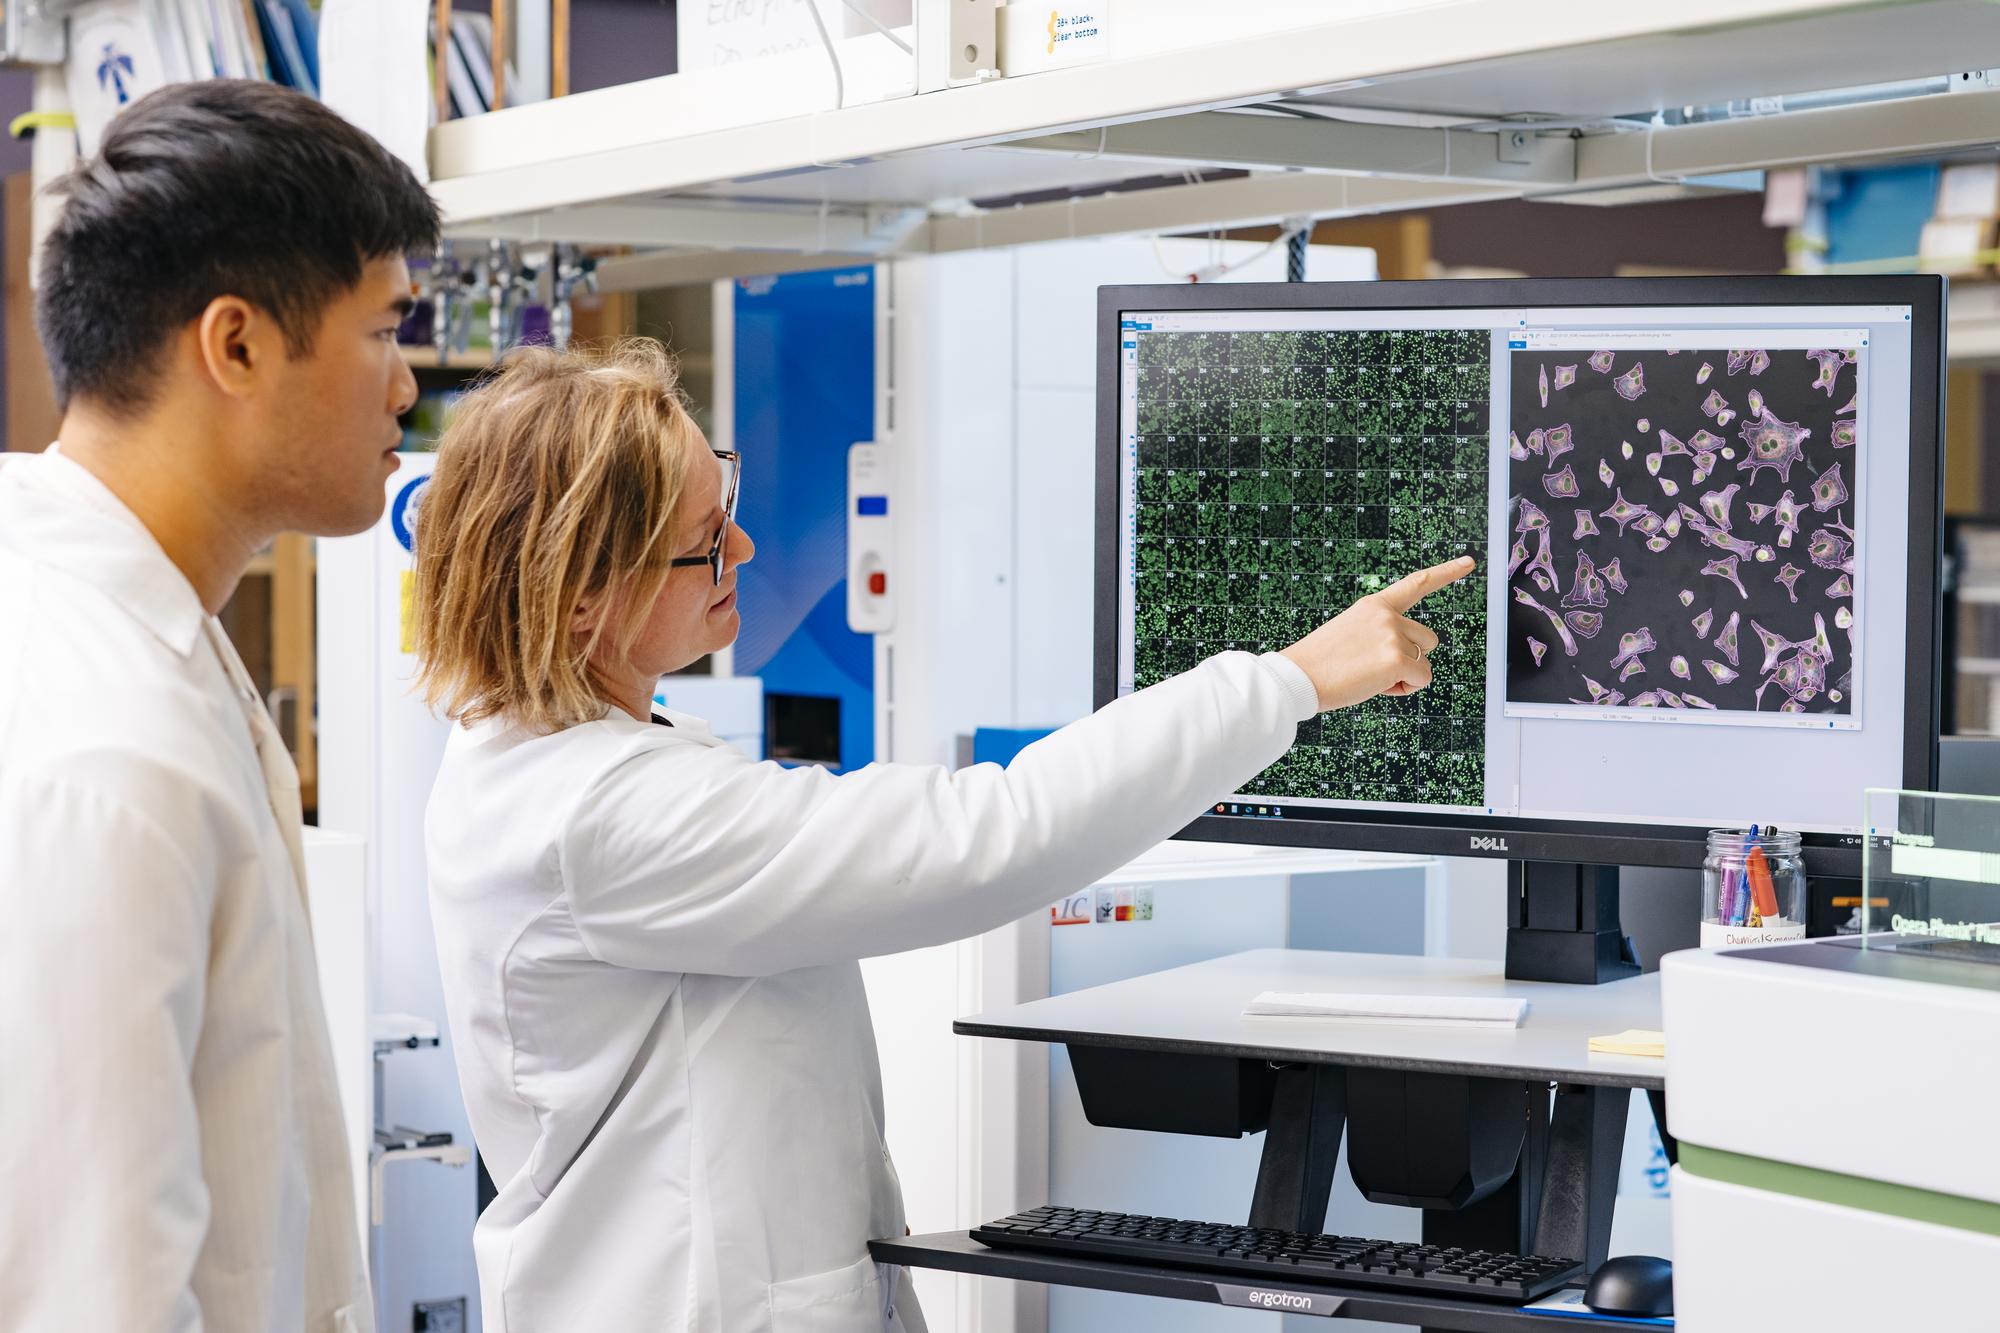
x,y
1586,624
1701,376
1725,640
1516,450
1679,666
1542,569
1633,643
1788,574
1653,464
1545,386
1687,596
1604,472
1537,441
1559,442
1716,505
1623,512
1723,675
1765,555
1851,405
1696,701
1671,446
1756,404
1601,361
1644,425
1531,519
1649,523
1704,441
1673,527
1703,465
1631,384
1725,568
1830,362
1614,575
1829,549
1597,692
1625,448
1586,585
1775,646
1650,699
1632,668
1846,433
1586,525
1841,587
1773,444
1714,403
1526,598
1562,485
1538,648
1844,618
1759,512
1829,490
1711,535
1518,556
1657,544
1703,622
1755,360
1671,700
1788,512
1565,376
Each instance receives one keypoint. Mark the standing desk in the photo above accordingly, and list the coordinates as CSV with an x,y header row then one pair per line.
x,y
1173,1052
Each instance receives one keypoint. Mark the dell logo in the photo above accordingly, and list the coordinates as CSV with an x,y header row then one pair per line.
x,y
1489,844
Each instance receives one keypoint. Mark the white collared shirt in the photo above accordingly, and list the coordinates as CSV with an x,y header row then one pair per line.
x,y
171,1150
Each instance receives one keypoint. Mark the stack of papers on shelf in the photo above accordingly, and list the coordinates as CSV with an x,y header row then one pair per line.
x,y
1425,1010
1632,1041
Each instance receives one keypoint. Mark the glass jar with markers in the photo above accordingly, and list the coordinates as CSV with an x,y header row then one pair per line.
x,y
1753,888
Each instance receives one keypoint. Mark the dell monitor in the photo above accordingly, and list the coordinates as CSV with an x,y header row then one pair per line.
x,y
1706,513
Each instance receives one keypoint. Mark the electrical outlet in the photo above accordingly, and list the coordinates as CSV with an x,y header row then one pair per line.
x,y
438,1316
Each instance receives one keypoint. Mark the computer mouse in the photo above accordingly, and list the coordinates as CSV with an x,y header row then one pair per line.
x,y
1632,1284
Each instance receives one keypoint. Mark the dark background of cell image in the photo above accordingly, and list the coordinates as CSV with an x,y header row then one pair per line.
x,y
1601,421
1282,475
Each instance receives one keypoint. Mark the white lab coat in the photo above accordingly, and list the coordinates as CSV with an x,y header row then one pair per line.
x,y
171,1152
650,947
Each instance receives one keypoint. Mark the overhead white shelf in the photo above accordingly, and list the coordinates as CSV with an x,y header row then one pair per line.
x,y
752,158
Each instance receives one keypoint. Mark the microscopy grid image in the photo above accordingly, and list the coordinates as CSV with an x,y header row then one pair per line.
x,y
1683,529
1281,475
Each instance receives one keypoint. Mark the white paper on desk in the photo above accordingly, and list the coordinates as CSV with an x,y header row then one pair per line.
x,y
374,69
1477,1011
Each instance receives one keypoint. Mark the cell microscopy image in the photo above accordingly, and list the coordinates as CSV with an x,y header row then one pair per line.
x,y
1283,475
1719,485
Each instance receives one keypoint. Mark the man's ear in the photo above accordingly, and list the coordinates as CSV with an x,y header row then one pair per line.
x,y
236,345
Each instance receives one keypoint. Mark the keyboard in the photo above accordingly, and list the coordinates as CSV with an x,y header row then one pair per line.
x,y
1263,1255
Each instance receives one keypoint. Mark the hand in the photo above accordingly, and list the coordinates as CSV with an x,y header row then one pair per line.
x,y
1373,647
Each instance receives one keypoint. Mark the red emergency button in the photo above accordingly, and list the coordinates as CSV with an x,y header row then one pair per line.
x,y
878,584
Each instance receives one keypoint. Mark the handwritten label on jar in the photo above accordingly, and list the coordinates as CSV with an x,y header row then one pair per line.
x,y
1715,935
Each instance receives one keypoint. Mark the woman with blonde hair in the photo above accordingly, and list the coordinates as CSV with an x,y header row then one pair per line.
x,y
650,941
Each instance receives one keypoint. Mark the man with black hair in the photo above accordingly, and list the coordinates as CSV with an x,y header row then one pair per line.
x,y
219,303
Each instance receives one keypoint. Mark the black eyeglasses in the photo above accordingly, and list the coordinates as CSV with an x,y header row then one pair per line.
x,y
732,472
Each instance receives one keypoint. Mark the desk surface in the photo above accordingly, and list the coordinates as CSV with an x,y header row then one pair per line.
x,y
1198,1010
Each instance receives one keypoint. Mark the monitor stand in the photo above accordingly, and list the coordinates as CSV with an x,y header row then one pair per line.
x,y
1563,924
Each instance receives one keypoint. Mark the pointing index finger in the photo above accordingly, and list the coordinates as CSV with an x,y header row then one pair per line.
x,y
1412,588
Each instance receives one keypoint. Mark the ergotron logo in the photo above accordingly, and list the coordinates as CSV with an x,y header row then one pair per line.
x,y
1295,1302
1489,844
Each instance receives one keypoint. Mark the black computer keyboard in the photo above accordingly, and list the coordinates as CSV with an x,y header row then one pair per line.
x,y
1265,1255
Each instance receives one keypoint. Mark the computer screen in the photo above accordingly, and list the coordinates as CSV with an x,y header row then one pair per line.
x,y
1705,512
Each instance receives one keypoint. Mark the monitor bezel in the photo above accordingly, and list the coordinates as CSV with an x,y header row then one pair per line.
x,y
1514,838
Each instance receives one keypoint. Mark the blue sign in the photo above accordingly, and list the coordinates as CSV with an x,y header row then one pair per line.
x,y
403,515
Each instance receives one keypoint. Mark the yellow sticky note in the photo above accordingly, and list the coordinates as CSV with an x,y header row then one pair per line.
x,y
1632,1041
409,610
